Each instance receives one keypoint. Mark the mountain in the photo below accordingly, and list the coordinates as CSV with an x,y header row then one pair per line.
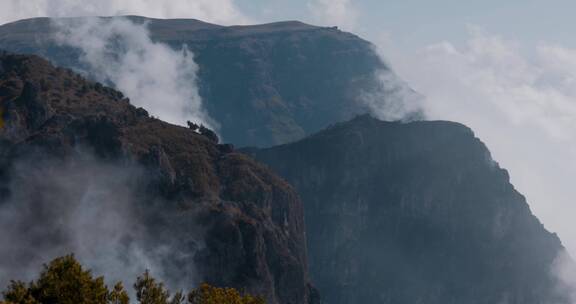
x,y
250,220
264,84
394,212
414,213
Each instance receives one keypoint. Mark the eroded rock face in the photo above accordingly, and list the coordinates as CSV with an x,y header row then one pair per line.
x,y
415,213
251,220
264,84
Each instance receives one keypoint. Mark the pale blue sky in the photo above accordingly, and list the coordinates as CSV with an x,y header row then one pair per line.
x,y
421,22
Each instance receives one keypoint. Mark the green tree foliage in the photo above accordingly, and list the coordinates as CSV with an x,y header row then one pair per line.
x,y
148,291
207,294
19,293
118,295
64,281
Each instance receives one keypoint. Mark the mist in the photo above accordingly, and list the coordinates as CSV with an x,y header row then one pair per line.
x,y
392,98
519,101
99,211
154,76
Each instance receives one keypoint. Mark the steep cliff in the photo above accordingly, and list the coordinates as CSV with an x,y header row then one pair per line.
x,y
251,220
265,84
414,213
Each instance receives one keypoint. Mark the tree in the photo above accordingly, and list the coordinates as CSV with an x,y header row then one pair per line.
x,y
64,281
148,291
19,293
211,135
118,295
207,294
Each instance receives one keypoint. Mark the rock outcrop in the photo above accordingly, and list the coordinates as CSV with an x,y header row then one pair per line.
x,y
415,213
252,222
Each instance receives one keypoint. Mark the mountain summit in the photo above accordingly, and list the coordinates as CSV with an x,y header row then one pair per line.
x,y
415,213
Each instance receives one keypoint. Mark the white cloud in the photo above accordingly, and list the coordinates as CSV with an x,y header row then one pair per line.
x,y
564,270
334,12
154,76
92,208
217,11
392,98
492,71
520,101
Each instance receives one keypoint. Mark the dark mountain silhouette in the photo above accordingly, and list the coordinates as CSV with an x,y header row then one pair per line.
x,y
251,219
414,213
265,84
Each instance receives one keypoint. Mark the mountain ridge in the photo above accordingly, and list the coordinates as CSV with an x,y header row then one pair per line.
x,y
247,71
415,212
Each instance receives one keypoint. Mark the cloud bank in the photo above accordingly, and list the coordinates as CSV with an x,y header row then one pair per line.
x,y
152,75
216,11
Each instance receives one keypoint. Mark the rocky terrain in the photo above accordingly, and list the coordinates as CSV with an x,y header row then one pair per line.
x,y
251,220
414,213
290,79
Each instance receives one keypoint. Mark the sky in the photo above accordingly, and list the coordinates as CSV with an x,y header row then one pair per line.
x,y
507,69
419,22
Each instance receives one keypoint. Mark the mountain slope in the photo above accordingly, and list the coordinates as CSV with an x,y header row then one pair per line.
x,y
250,220
414,213
265,84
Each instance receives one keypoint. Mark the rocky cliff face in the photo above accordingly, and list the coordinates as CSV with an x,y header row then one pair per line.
x,y
414,213
265,84
250,219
